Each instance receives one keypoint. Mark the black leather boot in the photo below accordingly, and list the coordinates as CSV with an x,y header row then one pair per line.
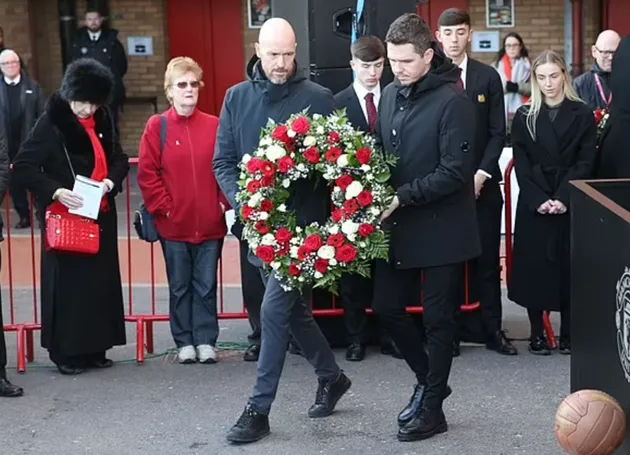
x,y
426,424
327,396
415,404
499,343
251,426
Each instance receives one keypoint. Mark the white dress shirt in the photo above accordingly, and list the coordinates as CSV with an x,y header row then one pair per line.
x,y
362,92
14,81
94,36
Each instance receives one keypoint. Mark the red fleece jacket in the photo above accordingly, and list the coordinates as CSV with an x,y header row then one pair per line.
x,y
177,184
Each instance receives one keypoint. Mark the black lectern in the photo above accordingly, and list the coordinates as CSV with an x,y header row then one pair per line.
x,y
600,289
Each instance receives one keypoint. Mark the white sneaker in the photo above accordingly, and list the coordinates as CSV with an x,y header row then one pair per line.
x,y
187,354
206,354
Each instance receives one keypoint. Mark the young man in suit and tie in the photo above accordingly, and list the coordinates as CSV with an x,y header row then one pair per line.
x,y
482,85
360,99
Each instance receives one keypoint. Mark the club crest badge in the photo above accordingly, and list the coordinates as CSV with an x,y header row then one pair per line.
x,y
622,321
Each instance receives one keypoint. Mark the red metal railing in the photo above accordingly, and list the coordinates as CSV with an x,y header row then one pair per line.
x,y
551,338
144,321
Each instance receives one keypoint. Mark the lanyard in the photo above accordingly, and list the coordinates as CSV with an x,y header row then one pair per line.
x,y
601,91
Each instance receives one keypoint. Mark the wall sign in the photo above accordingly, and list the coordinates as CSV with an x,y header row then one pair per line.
x,y
500,13
486,41
140,46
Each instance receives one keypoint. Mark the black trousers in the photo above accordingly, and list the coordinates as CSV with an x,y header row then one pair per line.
x,y
356,294
19,198
393,292
3,345
253,290
484,272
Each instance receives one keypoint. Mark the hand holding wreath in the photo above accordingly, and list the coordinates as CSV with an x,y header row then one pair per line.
x,y
315,255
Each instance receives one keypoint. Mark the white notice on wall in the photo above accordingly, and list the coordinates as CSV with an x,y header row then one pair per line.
x,y
486,41
140,46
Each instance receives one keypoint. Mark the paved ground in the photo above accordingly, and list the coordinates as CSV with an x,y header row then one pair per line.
x,y
501,406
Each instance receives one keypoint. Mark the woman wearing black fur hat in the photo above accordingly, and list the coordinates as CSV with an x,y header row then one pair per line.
x,y
81,295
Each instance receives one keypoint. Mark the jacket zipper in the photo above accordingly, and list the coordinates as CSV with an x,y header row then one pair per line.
x,y
192,161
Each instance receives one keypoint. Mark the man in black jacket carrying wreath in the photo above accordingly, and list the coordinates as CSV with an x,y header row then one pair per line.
x,y
429,124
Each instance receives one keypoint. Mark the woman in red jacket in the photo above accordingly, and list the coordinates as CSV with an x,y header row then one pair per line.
x,y
179,189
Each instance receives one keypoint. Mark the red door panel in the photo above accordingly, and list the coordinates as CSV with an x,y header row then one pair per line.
x,y
208,31
430,10
619,16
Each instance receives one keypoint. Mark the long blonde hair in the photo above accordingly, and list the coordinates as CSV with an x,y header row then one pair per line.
x,y
537,98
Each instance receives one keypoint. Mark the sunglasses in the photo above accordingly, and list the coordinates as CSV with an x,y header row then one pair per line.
x,y
184,84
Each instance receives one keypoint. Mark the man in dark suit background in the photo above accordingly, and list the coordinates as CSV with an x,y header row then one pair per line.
x,y
482,85
361,99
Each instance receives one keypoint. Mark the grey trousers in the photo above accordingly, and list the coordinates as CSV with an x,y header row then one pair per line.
x,y
284,314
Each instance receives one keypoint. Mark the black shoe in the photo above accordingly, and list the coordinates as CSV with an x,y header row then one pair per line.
x,y
415,404
9,390
426,424
390,348
252,353
251,426
23,223
565,346
101,363
539,346
355,352
501,344
69,370
327,396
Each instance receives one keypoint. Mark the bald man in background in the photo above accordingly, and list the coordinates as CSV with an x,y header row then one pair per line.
x,y
594,86
277,90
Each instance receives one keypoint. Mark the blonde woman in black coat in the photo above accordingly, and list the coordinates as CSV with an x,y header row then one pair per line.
x,y
554,139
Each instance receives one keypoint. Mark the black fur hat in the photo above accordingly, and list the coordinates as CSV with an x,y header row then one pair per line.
x,y
89,81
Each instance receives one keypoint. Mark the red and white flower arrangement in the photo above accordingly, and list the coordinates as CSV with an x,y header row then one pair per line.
x,y
601,118
357,174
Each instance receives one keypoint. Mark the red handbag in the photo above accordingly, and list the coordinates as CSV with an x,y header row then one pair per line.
x,y
69,233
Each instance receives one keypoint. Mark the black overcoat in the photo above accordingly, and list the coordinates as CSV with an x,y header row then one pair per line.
x,y
81,296
564,150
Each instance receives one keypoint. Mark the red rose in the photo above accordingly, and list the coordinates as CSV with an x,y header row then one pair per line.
x,y
281,134
283,251
365,198
312,155
247,212
303,253
337,215
293,269
253,186
351,207
333,155
321,265
283,235
366,230
313,242
364,156
336,240
333,138
268,181
285,164
266,206
346,253
253,165
301,125
265,253
344,181
262,227
268,169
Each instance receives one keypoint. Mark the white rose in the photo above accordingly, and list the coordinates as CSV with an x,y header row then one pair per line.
x,y
254,200
318,275
352,237
326,252
266,141
365,167
317,116
282,208
333,262
349,227
342,161
275,265
263,216
246,158
293,252
375,211
286,183
309,141
301,167
291,133
275,152
333,229
320,129
301,279
268,239
353,190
